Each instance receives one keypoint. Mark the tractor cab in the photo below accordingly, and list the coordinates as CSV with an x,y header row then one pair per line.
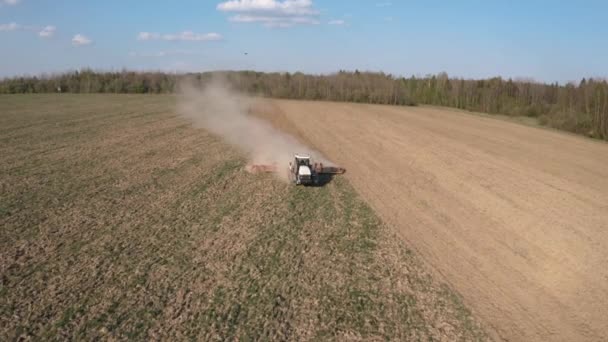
x,y
301,171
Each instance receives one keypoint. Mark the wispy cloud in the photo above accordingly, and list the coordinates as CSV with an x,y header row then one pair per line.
x,y
270,21
182,36
384,4
9,2
80,40
271,13
47,31
9,27
336,22
43,32
287,7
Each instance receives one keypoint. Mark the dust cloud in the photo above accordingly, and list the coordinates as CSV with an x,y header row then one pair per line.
x,y
225,112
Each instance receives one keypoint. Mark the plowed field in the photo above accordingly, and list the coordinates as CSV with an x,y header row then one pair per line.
x,y
514,217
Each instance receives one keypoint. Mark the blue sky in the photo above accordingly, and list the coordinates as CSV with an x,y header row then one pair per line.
x,y
544,40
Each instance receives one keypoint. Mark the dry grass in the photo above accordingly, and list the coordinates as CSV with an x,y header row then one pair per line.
x,y
120,221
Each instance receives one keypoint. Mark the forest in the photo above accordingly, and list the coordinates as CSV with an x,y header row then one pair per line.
x,y
580,108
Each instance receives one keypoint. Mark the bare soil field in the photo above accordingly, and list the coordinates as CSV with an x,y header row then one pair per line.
x,y
120,221
515,218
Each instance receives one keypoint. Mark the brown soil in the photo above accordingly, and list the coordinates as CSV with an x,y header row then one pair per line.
x,y
514,217
120,221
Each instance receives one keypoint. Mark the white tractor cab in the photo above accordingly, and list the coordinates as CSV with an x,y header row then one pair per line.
x,y
301,170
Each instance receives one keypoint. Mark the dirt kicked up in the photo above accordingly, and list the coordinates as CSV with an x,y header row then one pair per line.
x,y
513,217
120,221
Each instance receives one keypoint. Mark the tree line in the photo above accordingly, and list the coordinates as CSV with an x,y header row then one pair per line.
x,y
581,108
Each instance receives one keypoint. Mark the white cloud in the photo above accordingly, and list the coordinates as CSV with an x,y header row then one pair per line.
x,y
47,31
147,36
10,2
287,7
271,13
43,32
9,27
336,22
182,36
270,21
80,39
384,4
191,36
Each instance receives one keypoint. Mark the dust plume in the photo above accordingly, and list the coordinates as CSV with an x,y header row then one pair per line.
x,y
225,112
